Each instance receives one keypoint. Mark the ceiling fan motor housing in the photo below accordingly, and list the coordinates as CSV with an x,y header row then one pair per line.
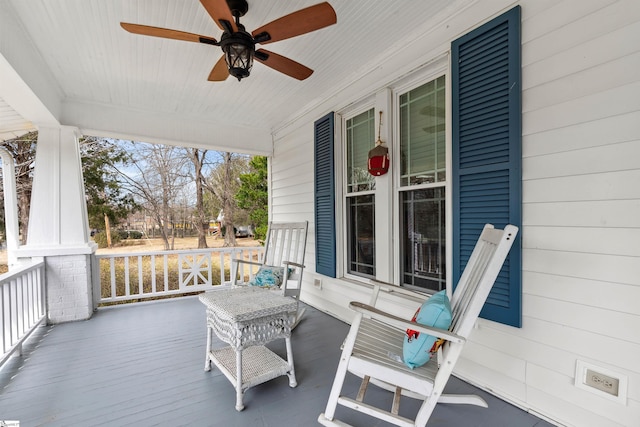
x,y
238,7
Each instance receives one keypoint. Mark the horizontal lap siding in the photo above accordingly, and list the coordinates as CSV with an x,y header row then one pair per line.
x,y
291,187
581,208
581,217
591,240
595,133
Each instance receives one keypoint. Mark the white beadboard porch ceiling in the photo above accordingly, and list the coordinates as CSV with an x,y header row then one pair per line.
x,y
73,58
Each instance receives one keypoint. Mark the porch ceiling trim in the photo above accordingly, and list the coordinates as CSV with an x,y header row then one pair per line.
x,y
164,128
27,85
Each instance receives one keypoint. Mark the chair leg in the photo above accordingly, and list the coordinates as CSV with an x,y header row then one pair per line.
x,y
424,413
395,408
338,381
299,314
292,373
341,372
207,358
363,388
238,385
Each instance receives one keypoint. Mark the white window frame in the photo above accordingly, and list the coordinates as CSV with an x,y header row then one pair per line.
x,y
347,194
437,68
341,212
387,191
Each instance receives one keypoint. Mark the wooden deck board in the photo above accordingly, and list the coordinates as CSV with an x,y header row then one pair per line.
x,y
143,365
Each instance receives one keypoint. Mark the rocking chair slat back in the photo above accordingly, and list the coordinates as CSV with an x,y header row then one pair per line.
x,y
285,242
477,279
375,336
284,247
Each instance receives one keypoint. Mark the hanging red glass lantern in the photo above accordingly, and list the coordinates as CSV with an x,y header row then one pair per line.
x,y
378,163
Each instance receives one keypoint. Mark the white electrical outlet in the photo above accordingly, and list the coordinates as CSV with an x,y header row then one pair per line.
x,y
317,283
601,381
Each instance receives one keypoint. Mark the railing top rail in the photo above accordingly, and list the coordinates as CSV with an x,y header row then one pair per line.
x,y
5,277
181,251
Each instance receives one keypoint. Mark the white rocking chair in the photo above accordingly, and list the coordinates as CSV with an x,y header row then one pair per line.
x,y
374,335
285,246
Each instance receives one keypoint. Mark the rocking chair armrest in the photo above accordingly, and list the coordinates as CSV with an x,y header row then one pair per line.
x,y
295,264
401,323
390,288
244,261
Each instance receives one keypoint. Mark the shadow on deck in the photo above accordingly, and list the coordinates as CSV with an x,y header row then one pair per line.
x,y
142,365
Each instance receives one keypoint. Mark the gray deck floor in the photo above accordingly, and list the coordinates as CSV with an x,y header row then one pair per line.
x,y
142,365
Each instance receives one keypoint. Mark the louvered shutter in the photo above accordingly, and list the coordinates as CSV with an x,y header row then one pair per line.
x,y
487,154
324,188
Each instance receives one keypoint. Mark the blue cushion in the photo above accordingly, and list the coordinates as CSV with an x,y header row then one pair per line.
x,y
435,312
268,276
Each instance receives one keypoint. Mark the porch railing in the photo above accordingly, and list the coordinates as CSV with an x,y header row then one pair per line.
x,y
23,306
136,276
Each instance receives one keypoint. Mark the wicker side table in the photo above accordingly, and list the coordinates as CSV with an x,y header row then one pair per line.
x,y
246,318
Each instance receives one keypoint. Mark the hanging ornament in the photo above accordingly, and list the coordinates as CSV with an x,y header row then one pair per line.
x,y
378,163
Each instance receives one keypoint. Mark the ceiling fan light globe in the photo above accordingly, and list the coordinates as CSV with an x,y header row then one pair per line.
x,y
239,50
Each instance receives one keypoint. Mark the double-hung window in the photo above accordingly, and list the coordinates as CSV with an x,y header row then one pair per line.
x,y
421,187
402,228
359,195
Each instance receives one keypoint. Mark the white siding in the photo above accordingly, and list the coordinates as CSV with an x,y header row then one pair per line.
x,y
292,186
581,211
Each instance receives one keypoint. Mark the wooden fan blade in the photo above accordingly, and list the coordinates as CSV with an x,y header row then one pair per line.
x,y
283,64
303,21
220,72
166,33
219,11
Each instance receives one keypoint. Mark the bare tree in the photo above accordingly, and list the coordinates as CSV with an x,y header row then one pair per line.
x,y
223,183
159,174
197,158
23,151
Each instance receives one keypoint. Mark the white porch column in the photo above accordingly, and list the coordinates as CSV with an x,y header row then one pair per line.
x,y
58,225
10,207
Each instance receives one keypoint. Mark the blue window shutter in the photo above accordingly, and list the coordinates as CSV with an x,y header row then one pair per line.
x,y
324,190
487,153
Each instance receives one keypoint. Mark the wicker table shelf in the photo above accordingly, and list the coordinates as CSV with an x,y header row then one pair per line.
x,y
246,318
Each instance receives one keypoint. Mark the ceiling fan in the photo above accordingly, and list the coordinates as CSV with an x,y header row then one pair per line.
x,y
238,46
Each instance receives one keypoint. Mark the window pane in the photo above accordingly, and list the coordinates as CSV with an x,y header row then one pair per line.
x,y
423,238
422,134
361,237
360,139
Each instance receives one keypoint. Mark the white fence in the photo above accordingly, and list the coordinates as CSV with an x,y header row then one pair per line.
x,y
144,275
22,306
